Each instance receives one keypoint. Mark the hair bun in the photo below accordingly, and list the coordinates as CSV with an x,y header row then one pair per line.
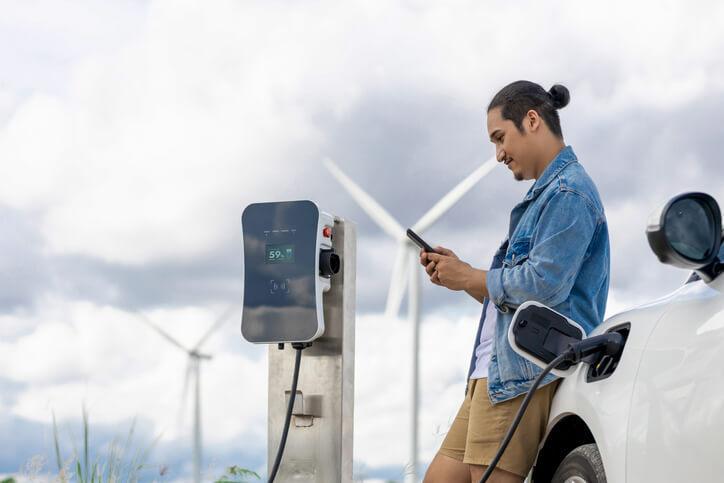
x,y
560,96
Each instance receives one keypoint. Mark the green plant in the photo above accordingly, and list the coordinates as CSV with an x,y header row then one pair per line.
x,y
117,464
234,474
8,480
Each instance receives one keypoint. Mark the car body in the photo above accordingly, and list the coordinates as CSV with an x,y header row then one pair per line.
x,y
657,412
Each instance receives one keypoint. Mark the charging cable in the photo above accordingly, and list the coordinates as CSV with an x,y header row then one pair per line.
x,y
608,344
295,379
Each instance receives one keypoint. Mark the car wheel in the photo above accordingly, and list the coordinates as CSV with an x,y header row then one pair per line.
x,y
582,465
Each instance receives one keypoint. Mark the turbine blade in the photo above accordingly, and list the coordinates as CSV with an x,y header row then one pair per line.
x,y
375,211
219,322
453,196
398,280
161,332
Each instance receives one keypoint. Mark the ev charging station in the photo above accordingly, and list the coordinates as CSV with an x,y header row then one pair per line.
x,y
299,297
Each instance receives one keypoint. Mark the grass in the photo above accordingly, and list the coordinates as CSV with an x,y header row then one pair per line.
x,y
118,464
235,474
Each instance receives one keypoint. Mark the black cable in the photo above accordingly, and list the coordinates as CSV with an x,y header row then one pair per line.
x,y
514,425
285,431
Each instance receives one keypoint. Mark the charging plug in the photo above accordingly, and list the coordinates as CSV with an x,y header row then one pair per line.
x,y
607,344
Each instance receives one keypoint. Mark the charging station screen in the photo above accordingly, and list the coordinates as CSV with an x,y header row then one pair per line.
x,y
280,254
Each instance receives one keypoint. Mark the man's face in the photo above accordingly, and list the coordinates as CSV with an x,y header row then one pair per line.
x,y
512,147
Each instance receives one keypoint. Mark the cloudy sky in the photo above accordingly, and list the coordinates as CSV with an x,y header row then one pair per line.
x,y
133,133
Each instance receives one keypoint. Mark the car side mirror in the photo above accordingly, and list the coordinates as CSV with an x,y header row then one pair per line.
x,y
540,334
687,232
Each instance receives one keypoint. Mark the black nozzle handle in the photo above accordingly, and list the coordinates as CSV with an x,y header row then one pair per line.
x,y
608,344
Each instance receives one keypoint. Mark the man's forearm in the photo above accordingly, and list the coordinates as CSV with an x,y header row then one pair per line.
x,y
477,287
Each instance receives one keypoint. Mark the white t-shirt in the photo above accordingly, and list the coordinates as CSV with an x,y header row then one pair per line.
x,y
485,346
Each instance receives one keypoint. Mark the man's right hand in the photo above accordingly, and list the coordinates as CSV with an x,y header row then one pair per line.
x,y
430,265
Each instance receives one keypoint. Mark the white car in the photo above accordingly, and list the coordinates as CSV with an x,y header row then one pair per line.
x,y
654,412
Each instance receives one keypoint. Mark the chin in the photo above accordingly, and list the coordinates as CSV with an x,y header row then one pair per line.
x,y
518,176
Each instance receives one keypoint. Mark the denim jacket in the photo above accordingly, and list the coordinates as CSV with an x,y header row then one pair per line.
x,y
556,253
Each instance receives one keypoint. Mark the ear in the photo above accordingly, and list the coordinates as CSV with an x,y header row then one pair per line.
x,y
532,120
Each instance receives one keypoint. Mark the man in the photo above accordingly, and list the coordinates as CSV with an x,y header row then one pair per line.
x,y
556,252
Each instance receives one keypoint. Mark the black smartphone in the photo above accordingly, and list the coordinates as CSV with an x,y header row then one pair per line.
x,y
419,241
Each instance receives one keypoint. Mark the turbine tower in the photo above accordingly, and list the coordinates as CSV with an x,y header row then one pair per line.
x,y
193,370
405,273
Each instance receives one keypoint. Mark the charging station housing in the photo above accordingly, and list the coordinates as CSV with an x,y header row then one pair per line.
x,y
285,244
291,294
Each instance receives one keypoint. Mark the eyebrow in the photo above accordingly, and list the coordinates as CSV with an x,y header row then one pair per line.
x,y
492,135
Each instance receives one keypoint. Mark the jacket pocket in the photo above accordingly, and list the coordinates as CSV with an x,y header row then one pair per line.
x,y
517,252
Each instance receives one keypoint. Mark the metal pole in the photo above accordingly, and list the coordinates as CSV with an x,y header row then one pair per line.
x,y
319,448
414,318
197,421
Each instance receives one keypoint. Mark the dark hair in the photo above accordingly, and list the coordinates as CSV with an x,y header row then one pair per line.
x,y
519,97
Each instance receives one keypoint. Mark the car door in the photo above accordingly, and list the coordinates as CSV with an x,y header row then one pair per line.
x,y
676,424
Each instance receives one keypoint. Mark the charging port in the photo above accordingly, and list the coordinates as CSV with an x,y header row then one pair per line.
x,y
604,365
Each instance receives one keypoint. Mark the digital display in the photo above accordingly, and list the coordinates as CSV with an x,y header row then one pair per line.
x,y
279,254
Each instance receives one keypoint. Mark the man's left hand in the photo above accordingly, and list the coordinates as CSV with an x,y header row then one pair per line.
x,y
450,272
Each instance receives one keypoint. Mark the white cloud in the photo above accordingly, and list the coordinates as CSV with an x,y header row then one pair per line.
x,y
42,40
8,101
120,368
161,143
155,150
383,388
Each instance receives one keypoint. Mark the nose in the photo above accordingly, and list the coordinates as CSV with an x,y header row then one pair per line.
x,y
500,154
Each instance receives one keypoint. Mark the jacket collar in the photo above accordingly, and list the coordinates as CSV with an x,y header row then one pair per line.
x,y
564,157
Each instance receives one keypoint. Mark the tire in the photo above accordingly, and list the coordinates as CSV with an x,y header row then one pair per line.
x,y
582,465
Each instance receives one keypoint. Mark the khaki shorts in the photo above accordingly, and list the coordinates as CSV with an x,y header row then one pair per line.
x,y
479,428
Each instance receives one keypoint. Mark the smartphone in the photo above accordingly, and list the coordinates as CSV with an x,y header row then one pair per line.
x,y
419,241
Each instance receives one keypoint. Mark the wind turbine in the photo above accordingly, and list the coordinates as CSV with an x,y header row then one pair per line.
x,y
405,272
193,370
